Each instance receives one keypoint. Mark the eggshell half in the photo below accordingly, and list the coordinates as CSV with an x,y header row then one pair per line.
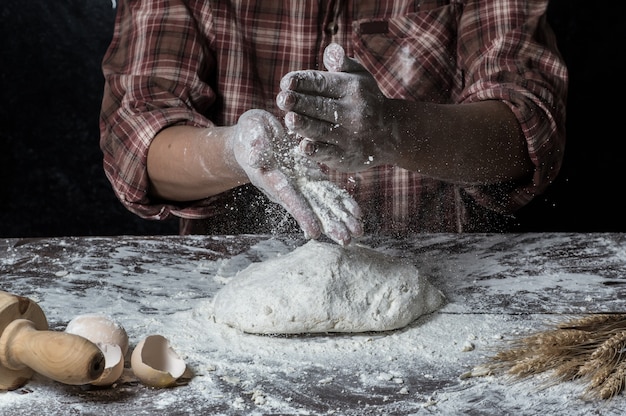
x,y
99,329
113,364
155,363
109,336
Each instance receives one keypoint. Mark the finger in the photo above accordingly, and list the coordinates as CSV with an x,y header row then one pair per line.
x,y
338,213
332,226
310,127
280,191
322,152
338,232
318,83
321,108
285,100
336,60
349,213
353,221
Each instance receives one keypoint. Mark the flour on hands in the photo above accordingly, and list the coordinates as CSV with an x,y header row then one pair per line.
x,y
274,164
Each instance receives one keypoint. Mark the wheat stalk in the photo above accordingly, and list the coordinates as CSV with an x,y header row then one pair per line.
x,y
599,376
596,322
591,348
611,349
614,383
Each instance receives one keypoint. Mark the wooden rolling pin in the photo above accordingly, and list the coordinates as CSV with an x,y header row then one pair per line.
x,y
26,347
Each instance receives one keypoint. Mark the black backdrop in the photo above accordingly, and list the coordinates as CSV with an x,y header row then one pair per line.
x,y
51,178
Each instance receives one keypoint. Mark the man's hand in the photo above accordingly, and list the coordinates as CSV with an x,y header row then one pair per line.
x,y
266,153
341,113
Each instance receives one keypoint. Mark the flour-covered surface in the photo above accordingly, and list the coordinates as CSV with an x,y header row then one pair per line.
x,y
498,287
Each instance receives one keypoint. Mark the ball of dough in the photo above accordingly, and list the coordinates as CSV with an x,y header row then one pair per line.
x,y
323,287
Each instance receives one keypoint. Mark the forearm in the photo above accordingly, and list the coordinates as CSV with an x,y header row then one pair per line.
x,y
477,143
188,163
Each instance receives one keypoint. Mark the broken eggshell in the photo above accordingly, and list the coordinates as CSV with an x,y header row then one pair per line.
x,y
155,363
113,365
109,336
99,329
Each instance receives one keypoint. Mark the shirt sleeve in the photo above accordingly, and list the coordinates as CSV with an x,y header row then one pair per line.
x,y
154,71
464,51
508,52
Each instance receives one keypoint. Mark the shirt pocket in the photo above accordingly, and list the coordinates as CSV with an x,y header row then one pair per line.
x,y
413,56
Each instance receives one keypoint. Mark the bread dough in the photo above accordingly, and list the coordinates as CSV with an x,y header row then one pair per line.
x,y
322,287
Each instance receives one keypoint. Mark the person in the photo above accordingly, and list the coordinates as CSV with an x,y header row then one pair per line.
x,y
428,116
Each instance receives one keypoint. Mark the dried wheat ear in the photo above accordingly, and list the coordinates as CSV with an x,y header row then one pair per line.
x,y
591,349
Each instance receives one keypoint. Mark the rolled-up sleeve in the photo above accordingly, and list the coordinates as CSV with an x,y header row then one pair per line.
x,y
154,72
507,52
464,51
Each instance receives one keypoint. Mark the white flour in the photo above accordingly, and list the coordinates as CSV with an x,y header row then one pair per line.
x,y
321,287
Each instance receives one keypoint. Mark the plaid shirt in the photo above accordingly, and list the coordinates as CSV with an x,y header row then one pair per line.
x,y
205,63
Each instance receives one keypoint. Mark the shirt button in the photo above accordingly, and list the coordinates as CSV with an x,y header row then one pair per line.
x,y
332,28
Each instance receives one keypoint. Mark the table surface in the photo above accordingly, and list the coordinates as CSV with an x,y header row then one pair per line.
x,y
497,287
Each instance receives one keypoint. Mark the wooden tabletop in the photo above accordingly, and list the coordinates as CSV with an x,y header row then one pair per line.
x,y
498,287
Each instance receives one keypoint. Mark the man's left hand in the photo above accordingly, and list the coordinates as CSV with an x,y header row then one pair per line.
x,y
341,113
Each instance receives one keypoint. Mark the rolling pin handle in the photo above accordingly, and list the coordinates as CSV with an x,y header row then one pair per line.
x,y
67,358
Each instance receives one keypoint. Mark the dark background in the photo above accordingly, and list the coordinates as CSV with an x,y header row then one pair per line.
x,y
51,177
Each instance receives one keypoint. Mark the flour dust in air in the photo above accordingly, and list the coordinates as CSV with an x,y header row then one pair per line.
x,y
322,287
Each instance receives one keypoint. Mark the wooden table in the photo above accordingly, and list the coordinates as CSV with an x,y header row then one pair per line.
x,y
498,287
